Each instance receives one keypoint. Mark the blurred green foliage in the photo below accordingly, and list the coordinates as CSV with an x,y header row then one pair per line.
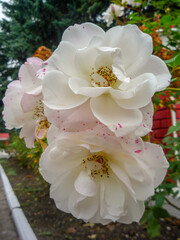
x,y
27,158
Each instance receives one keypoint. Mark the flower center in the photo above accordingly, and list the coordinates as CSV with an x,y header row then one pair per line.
x,y
104,77
38,113
41,132
97,163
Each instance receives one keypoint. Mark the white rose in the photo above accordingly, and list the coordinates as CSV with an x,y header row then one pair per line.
x,y
100,178
112,11
23,107
115,71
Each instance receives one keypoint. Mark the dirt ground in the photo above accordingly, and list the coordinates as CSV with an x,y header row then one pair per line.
x,y
49,223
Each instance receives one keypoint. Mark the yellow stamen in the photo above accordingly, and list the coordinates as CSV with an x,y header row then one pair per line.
x,y
38,113
109,77
97,163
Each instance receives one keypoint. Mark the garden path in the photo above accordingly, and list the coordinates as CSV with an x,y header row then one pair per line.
x,y
7,228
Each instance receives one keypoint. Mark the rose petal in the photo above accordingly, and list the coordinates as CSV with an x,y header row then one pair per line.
x,y
134,211
62,58
28,133
53,162
112,199
135,45
57,94
27,74
119,120
141,181
81,35
62,188
147,122
156,66
85,59
155,157
30,99
83,87
131,143
144,88
13,114
83,207
85,185
72,120
122,176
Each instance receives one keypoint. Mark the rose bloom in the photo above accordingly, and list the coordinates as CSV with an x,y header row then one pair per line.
x,y
101,178
112,12
23,107
114,71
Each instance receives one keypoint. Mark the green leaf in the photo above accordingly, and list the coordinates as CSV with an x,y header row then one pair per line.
x,y
174,62
174,79
156,100
153,227
160,212
169,140
168,185
159,198
146,216
166,19
174,128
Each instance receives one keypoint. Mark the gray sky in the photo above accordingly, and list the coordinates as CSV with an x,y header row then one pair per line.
x,y
1,14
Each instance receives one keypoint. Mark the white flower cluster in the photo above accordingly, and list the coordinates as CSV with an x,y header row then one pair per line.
x,y
114,11
95,91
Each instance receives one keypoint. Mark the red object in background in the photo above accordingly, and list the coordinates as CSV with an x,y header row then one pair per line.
x,y
161,123
4,137
162,119
177,107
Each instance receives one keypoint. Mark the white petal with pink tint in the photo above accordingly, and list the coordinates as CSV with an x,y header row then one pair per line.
x,y
72,120
28,133
30,99
27,73
119,120
156,159
13,114
147,122
81,35
21,100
